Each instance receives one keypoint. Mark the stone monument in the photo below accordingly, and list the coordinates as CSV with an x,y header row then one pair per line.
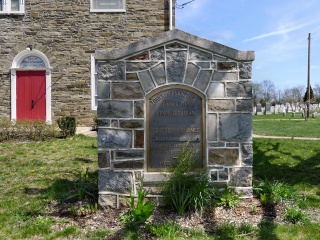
x,y
155,95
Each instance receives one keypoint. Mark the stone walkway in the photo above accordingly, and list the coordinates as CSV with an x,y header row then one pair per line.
x,y
86,131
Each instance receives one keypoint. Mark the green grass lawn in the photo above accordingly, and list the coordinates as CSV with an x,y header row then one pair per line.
x,y
35,174
279,125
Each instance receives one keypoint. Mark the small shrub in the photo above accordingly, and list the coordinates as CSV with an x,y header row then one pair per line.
x,y
272,192
67,125
139,212
185,190
294,215
229,198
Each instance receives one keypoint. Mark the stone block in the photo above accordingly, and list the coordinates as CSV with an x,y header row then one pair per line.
x,y
132,76
245,70
176,64
216,90
212,127
223,76
109,138
221,105
115,109
203,79
132,164
128,154
203,64
157,54
117,182
139,139
196,54
131,123
139,109
192,72
104,159
159,74
224,175
239,89
247,154
244,105
139,66
107,201
146,81
103,90
227,66
235,127
241,177
226,157
103,122
127,90
110,71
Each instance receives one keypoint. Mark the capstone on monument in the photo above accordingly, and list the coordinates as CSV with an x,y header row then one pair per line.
x,y
155,95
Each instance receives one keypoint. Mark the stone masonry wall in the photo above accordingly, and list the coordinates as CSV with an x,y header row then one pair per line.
x,y
67,32
126,77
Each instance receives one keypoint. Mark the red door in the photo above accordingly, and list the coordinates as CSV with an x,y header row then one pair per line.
x,y
31,95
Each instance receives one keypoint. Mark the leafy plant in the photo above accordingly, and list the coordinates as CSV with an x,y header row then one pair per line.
x,y
229,198
185,190
83,187
294,215
167,230
67,125
272,192
138,212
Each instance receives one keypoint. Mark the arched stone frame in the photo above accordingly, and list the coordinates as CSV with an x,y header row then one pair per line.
x,y
16,67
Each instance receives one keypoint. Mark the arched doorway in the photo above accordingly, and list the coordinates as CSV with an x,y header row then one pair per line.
x,y
31,86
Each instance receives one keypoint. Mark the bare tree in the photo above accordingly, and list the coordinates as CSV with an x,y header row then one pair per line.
x,y
256,93
267,90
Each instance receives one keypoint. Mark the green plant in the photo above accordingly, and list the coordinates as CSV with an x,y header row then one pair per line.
x,y
185,190
167,230
272,192
294,215
83,187
67,125
229,198
138,212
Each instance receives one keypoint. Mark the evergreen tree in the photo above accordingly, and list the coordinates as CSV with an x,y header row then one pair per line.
x,y
305,98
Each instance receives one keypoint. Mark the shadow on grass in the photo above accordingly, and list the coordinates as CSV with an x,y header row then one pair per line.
x,y
269,164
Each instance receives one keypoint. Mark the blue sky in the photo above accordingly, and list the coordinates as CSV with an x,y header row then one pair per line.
x,y
277,30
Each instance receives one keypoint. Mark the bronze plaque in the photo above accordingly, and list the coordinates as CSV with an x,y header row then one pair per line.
x,y
175,115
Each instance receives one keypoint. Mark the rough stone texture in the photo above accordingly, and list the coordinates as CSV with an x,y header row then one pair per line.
x,y
212,127
127,90
118,182
247,154
196,54
245,70
128,154
131,123
241,89
224,76
244,105
158,73
157,63
235,127
203,80
128,165
241,177
114,138
107,201
110,71
67,33
216,90
226,157
146,81
192,72
115,109
176,63
104,160
221,105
